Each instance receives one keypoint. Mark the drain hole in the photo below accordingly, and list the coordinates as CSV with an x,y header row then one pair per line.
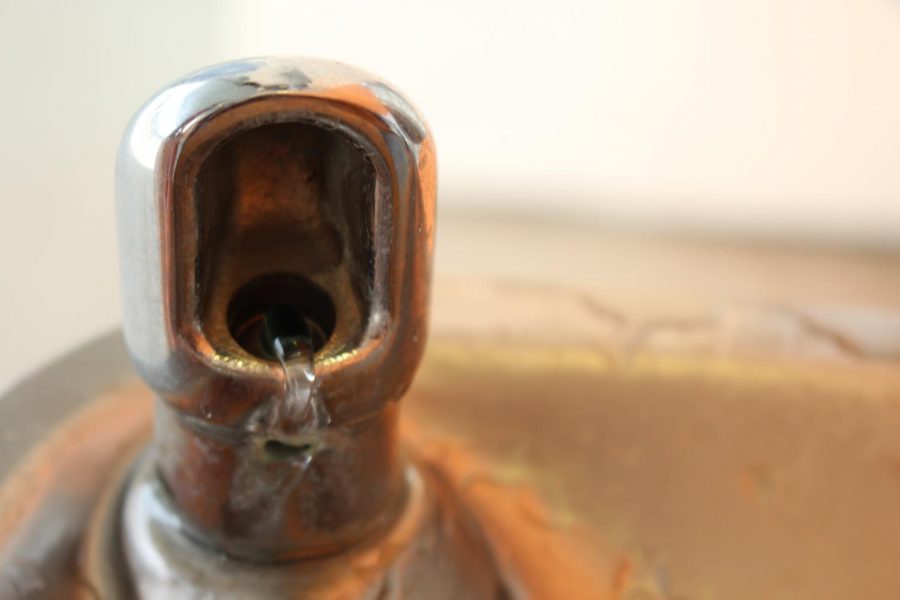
x,y
280,306
278,450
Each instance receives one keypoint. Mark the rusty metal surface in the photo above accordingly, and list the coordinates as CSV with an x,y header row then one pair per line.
x,y
676,446
263,194
693,478
66,431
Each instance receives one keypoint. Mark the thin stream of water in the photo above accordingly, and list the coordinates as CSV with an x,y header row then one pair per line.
x,y
288,436
298,363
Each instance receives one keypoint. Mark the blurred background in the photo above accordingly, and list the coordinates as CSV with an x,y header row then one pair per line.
x,y
765,120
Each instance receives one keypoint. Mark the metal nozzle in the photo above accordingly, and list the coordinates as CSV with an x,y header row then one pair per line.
x,y
276,225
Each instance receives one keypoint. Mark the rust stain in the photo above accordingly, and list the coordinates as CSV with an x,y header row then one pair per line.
x,y
79,453
538,558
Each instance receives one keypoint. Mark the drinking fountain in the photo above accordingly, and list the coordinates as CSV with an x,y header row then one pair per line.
x,y
595,416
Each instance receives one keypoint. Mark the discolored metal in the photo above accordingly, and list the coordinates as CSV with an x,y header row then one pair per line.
x,y
597,416
669,469
302,187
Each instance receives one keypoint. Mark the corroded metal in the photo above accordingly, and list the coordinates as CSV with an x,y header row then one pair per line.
x,y
644,446
277,184
576,431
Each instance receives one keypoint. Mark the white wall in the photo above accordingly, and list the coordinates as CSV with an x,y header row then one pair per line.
x,y
761,117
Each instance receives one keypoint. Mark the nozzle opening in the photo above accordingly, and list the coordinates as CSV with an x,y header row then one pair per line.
x,y
280,306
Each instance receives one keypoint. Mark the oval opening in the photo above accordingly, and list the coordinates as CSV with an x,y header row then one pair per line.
x,y
285,224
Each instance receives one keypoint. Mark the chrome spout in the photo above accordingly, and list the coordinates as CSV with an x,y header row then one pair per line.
x,y
276,222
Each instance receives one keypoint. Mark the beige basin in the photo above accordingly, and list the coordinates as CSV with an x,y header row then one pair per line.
x,y
625,417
